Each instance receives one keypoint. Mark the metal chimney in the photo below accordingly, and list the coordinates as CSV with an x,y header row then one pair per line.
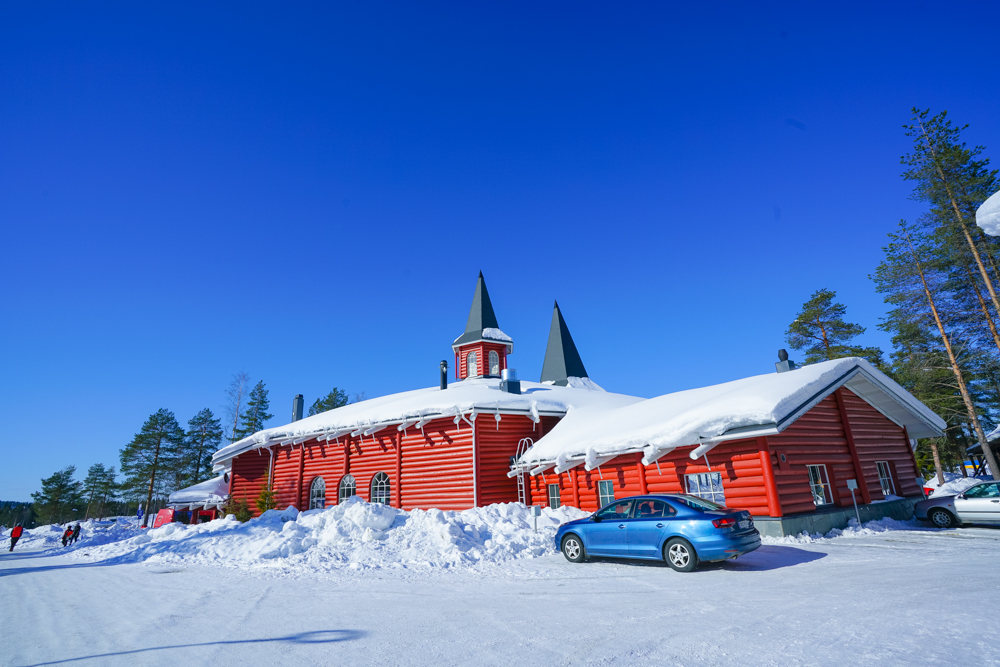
x,y
509,382
784,365
444,374
297,403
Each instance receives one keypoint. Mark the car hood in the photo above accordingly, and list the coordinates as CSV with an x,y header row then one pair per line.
x,y
575,522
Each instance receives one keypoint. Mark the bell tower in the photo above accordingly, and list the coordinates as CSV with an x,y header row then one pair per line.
x,y
482,350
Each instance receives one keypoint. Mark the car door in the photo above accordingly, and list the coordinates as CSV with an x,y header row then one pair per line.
x,y
979,504
645,532
607,533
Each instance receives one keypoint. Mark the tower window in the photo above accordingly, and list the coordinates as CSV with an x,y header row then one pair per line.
x,y
494,363
317,494
472,365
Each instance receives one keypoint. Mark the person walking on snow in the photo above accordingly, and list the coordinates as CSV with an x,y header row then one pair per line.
x,y
15,535
76,533
67,534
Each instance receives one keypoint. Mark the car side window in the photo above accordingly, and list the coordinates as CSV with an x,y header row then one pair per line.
x,y
653,509
983,491
619,510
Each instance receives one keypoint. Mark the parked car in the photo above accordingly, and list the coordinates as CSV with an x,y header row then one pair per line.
x,y
683,530
977,504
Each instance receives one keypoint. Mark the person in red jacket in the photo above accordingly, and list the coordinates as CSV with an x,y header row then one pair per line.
x,y
15,535
68,535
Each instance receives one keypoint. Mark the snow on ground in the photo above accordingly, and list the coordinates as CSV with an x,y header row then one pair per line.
x,y
892,593
954,484
91,532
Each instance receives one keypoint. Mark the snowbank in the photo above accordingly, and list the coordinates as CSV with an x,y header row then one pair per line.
x,y
954,484
355,535
92,532
853,530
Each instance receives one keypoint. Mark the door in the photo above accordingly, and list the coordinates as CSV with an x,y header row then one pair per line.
x,y
645,532
609,536
981,503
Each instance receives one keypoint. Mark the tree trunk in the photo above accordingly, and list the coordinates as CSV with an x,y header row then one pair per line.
x,y
937,462
962,388
152,478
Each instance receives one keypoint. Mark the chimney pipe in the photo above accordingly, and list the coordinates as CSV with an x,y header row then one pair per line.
x,y
297,407
444,374
784,364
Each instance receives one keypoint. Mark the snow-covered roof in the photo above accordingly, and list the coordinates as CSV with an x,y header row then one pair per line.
x,y
988,215
208,492
476,395
754,406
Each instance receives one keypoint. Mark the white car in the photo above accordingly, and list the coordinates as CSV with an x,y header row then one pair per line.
x,y
977,504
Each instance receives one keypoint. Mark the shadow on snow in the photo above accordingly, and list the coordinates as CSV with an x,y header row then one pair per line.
x,y
762,559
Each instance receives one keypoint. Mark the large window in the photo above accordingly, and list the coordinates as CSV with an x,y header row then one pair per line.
x,y
494,363
554,496
317,494
820,485
707,485
472,365
885,478
347,488
380,489
605,492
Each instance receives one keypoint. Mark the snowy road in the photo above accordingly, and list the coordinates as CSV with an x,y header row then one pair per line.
x,y
902,597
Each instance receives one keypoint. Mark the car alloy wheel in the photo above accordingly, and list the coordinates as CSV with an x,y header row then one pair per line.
x,y
942,519
680,555
572,548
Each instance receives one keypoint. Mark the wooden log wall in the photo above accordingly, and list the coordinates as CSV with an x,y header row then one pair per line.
x,y
496,443
249,470
878,438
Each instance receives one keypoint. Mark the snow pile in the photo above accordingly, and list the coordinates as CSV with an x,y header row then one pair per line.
x,y
355,535
988,215
954,484
853,530
92,532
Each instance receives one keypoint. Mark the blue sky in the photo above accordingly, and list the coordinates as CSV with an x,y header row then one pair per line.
x,y
307,192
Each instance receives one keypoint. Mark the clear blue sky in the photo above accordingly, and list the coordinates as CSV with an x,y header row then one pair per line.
x,y
307,192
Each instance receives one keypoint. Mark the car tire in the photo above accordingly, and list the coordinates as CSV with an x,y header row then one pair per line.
x,y
680,555
572,548
942,519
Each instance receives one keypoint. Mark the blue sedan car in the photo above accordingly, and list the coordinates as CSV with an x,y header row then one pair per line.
x,y
683,530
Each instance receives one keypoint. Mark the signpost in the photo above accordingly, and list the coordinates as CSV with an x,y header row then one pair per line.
x,y
852,484
536,512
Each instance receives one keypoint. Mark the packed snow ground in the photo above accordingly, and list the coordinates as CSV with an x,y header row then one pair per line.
x,y
885,593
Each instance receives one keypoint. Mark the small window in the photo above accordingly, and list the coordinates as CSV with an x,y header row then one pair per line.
x,y
472,365
605,492
347,488
820,485
619,510
983,491
317,494
380,489
885,478
494,363
554,496
707,485
653,509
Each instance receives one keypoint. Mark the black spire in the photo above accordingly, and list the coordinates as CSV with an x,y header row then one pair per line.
x,y
481,315
562,361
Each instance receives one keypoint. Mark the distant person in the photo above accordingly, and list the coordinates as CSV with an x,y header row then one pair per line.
x,y
76,532
67,534
15,535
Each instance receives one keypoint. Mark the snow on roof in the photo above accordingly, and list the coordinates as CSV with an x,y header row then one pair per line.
x,y
754,406
495,334
480,394
210,491
988,215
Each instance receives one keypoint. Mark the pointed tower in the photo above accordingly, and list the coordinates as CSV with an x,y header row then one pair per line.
x,y
482,350
562,361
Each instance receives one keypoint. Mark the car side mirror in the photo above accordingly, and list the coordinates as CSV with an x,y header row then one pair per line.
x,y
595,519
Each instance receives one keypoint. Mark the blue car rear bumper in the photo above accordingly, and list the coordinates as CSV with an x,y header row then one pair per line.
x,y
720,548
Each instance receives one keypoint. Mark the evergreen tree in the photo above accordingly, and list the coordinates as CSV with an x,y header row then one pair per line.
x,y
152,456
204,435
13,513
821,330
337,398
255,415
99,488
61,497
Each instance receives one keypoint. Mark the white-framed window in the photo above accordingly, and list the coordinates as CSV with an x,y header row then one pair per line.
x,y
707,485
472,365
317,494
554,496
381,491
347,489
885,478
494,363
605,492
819,483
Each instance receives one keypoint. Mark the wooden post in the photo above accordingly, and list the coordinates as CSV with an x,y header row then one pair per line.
x,y
866,496
576,489
399,470
302,467
770,486
642,473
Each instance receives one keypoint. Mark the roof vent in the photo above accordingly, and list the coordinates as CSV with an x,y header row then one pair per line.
x,y
784,365
509,382
444,374
297,403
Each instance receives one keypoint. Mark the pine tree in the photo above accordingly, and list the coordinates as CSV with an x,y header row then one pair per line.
x,y
255,415
98,488
152,453
61,497
337,398
821,330
204,435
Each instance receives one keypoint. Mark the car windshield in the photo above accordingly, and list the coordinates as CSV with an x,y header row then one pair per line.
x,y
698,503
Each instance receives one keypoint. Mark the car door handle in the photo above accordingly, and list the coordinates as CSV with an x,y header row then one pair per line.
x,y
659,525
621,525
995,501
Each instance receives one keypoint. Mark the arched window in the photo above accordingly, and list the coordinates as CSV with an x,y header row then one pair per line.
x,y
494,363
347,489
317,494
380,489
472,365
